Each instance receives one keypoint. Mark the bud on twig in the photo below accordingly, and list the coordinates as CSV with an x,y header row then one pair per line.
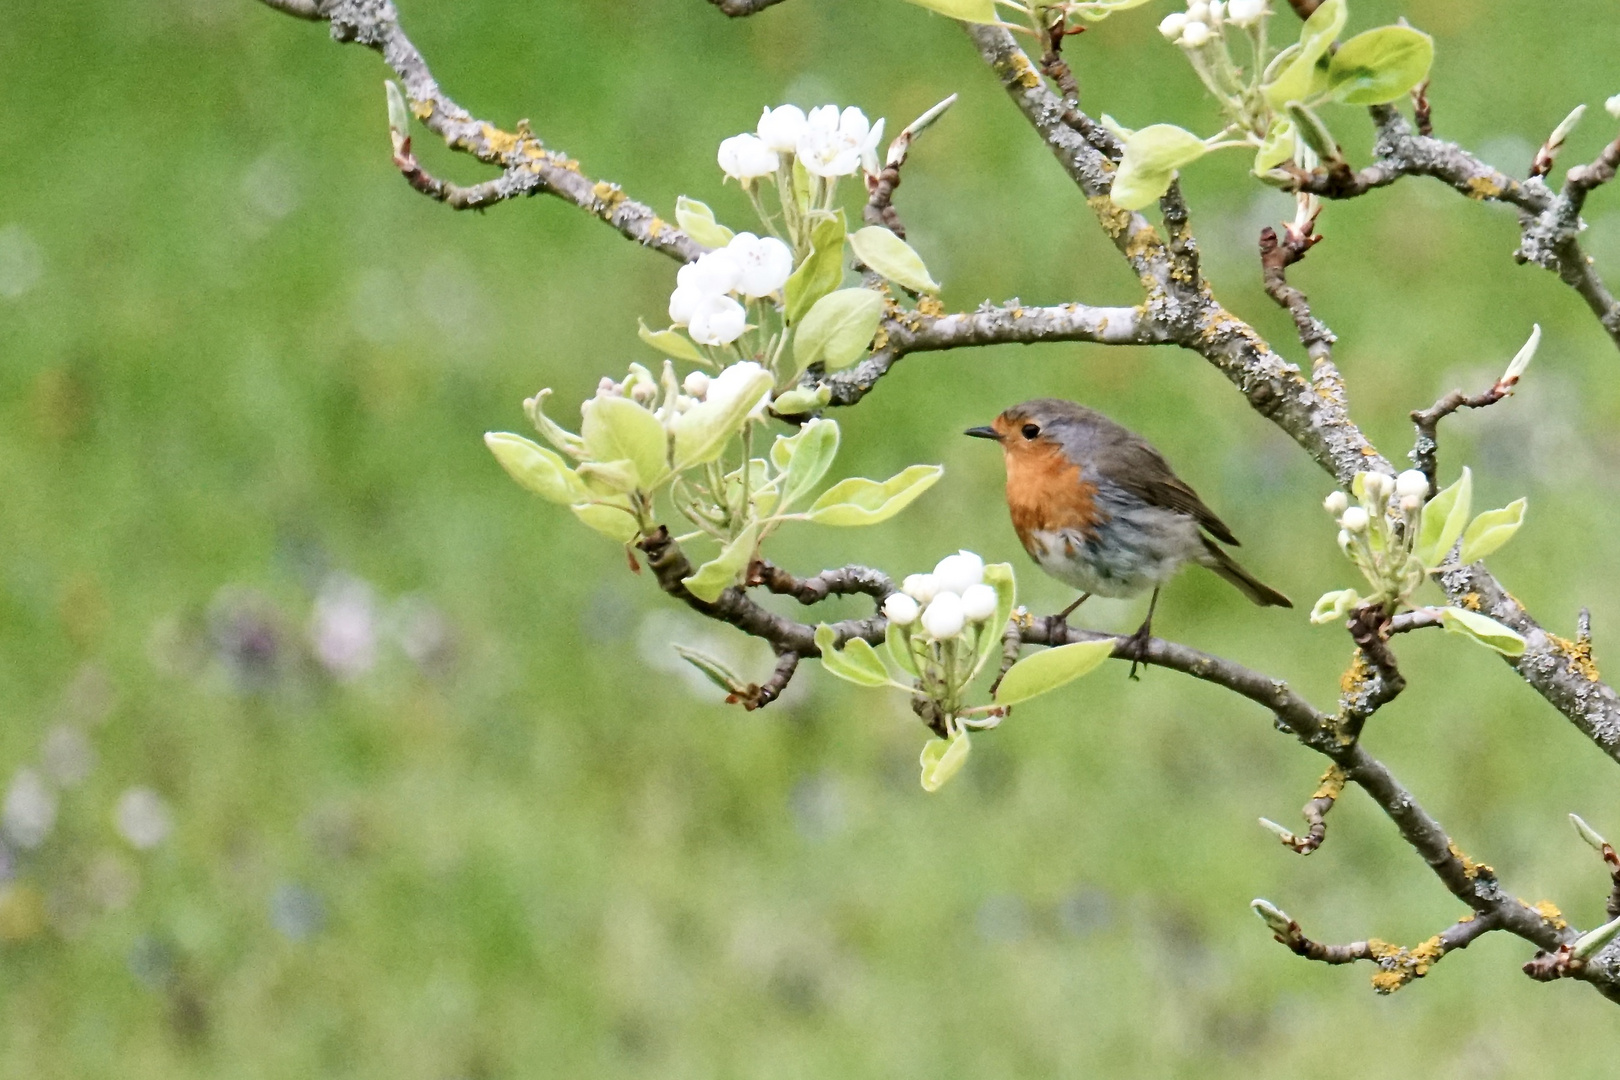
x,y
399,118
1510,378
1589,834
902,142
1593,941
1276,919
1555,142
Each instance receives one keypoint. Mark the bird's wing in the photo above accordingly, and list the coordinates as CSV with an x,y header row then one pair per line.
x,y
1138,468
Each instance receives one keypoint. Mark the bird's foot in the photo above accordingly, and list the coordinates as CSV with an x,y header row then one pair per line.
x,y
1136,646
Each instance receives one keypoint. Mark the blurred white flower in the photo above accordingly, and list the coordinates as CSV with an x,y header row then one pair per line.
x,y
764,263
780,128
717,320
901,609
343,627
944,617
746,157
30,809
979,603
142,818
920,587
956,573
833,142
1411,484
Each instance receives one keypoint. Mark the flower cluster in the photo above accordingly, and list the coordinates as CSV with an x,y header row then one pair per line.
x,y
1201,21
955,596
751,266
829,143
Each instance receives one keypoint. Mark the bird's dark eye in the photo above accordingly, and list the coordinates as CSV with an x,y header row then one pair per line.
x,y
1031,430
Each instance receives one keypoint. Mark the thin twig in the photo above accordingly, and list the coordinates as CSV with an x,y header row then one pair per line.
x,y
1426,449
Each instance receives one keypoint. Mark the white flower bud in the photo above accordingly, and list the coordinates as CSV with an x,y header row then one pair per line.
x,y
1378,485
901,609
696,384
1195,34
944,617
746,157
979,603
684,403
956,573
1344,541
1198,11
1245,12
1173,24
643,393
1354,520
920,587
1217,12
780,128
1411,483
1411,502
606,387
1336,503
1612,106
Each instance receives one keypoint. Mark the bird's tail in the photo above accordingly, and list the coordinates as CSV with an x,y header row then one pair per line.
x,y
1224,565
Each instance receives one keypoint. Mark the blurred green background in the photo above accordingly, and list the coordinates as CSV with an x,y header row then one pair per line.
x,y
341,756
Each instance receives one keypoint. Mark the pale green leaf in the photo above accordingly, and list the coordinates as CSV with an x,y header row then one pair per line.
x,y
536,468
799,401
1051,668
999,576
697,221
899,643
672,343
893,258
725,569
1313,131
1444,518
856,662
702,432
1277,147
1306,73
1492,529
1483,629
1334,606
1152,156
1098,10
612,521
979,11
858,501
557,436
616,428
838,329
610,477
712,669
822,270
942,759
1380,65
814,448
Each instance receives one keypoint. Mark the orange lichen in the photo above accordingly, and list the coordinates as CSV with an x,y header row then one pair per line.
x,y
930,306
1549,911
1471,869
610,195
1332,783
1471,602
1579,655
1480,187
423,109
1399,966
500,142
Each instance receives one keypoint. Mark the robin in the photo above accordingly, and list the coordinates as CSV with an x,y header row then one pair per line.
x,y
1098,508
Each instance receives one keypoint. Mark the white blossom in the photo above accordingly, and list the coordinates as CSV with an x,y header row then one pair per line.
x,y
832,143
745,157
956,573
1336,503
944,617
920,587
734,381
1195,34
1173,24
713,272
1410,484
901,609
717,320
979,602
780,128
869,154
764,263
1245,12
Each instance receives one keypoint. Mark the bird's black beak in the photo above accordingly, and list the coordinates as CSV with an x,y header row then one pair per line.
x,y
982,433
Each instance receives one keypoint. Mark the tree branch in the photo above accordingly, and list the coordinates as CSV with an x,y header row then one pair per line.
x,y
1397,965
528,167
739,9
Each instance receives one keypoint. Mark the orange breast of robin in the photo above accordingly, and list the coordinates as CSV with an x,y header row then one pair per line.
x,y
1045,492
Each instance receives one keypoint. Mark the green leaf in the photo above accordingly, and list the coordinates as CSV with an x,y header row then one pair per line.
x,y
672,343
1306,74
536,468
892,257
702,432
697,221
999,576
725,569
1152,157
616,428
979,11
943,759
1483,629
610,477
1491,530
900,652
857,662
1334,606
712,669
813,450
799,401
1380,65
838,329
1098,10
1309,127
801,186
1278,146
822,270
610,519
1444,517
858,501
562,439
1051,668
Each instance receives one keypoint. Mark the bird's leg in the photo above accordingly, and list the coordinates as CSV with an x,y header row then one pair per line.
x,y
1063,616
1139,640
